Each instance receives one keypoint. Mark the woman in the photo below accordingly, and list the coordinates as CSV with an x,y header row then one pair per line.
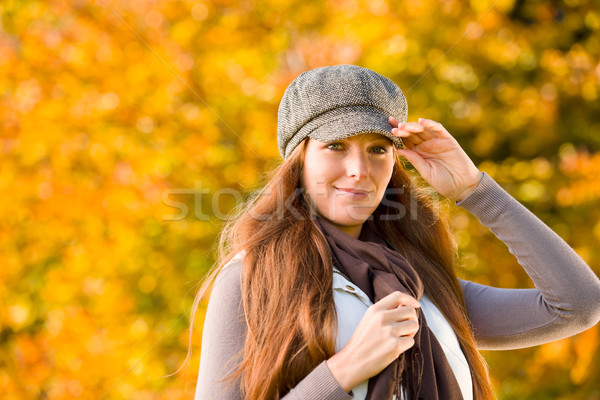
x,y
338,280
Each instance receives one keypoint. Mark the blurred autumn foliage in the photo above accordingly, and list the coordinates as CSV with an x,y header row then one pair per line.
x,y
129,128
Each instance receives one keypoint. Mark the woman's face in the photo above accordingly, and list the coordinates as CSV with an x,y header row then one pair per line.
x,y
346,179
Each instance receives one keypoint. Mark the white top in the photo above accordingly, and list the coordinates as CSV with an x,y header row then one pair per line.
x,y
351,303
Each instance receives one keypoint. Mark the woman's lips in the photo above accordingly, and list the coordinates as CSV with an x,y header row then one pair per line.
x,y
354,193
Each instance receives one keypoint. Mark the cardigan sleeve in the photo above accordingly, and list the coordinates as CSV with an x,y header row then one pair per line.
x,y
566,298
223,337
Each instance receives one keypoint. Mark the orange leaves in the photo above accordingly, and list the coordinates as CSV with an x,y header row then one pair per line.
x,y
583,170
585,348
96,126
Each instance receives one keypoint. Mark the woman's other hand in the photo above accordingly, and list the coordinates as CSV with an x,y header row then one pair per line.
x,y
385,331
438,157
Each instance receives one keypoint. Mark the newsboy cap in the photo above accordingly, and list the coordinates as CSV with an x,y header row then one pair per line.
x,y
336,102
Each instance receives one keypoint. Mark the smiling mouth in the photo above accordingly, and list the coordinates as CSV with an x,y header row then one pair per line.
x,y
353,193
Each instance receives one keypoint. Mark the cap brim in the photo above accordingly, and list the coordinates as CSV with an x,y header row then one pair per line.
x,y
355,122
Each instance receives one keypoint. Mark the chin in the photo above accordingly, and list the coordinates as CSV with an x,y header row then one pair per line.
x,y
350,221
350,218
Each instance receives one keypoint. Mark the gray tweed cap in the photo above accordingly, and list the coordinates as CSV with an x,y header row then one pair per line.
x,y
336,102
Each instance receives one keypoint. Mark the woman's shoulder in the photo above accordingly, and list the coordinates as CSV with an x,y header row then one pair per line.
x,y
230,275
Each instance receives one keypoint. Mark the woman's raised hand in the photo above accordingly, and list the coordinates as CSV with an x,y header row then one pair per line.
x,y
438,157
385,331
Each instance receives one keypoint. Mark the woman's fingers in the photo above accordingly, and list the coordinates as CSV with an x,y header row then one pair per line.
x,y
396,299
435,127
408,138
402,321
403,313
394,121
385,331
406,328
415,133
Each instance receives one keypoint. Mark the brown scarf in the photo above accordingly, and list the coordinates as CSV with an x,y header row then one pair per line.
x,y
422,371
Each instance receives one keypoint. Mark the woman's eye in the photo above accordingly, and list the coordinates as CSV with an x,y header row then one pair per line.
x,y
379,149
334,146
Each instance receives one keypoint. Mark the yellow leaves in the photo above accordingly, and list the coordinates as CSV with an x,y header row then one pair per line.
x,y
30,149
529,102
93,286
147,283
470,261
462,238
199,11
575,355
123,203
554,61
396,45
596,231
59,288
191,113
95,128
482,6
105,54
557,352
589,88
154,19
532,190
527,61
27,94
542,168
108,101
29,352
584,171
592,20
577,193
18,314
585,347
183,32
484,142
145,124
139,328
458,74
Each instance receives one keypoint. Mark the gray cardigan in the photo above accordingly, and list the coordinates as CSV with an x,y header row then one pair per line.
x,y
566,300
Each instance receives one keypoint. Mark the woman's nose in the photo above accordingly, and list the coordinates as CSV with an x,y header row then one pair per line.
x,y
356,166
